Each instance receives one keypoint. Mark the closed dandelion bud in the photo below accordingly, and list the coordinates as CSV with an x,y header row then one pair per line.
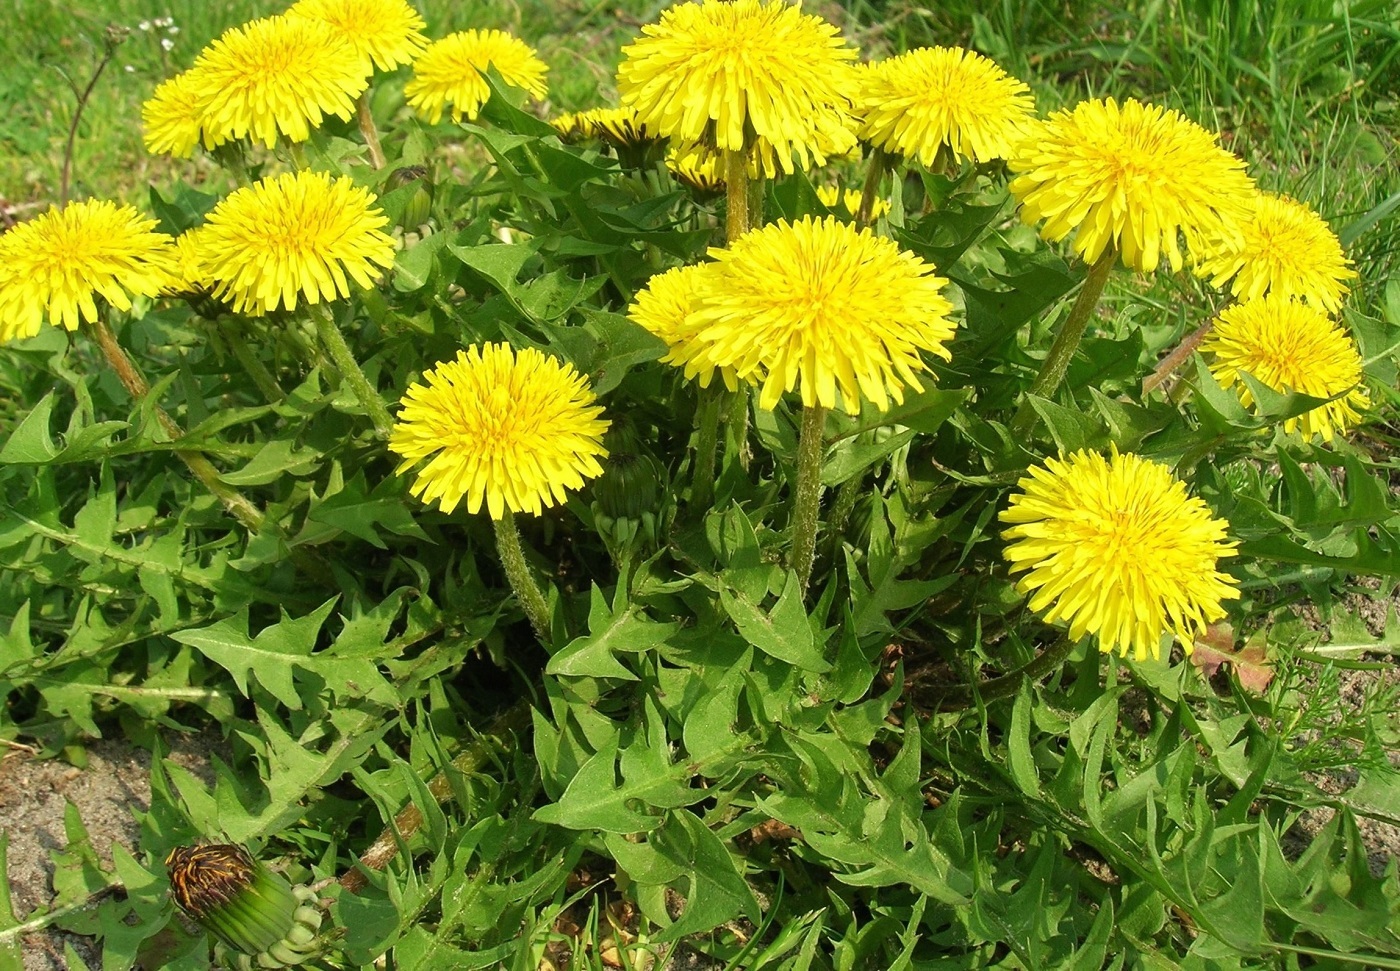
x,y
631,479
420,203
262,920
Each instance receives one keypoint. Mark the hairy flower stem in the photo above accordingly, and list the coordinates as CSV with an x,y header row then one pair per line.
x,y
238,505
1035,669
1056,364
807,502
702,488
1175,359
513,721
736,189
878,164
527,591
334,342
367,129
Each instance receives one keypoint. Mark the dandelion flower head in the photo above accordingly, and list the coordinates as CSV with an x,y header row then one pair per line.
x,y
918,102
386,32
279,74
300,233
1287,345
172,119
1118,549
836,312
54,266
451,72
713,70
665,307
512,430
1133,176
1284,248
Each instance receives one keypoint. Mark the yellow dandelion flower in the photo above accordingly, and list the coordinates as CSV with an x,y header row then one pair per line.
x,y
450,72
711,71
55,266
848,202
300,232
1118,549
1284,248
513,430
834,311
1133,176
386,32
664,307
916,103
276,74
173,117
1288,345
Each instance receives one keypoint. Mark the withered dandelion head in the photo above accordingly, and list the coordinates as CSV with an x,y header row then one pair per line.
x,y
836,312
511,430
712,71
55,266
1288,345
300,233
1284,248
172,119
386,32
664,308
249,908
279,74
451,72
1118,549
1133,176
918,102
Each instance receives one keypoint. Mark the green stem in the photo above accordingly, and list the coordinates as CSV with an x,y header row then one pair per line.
x,y
736,430
1037,668
706,441
514,721
238,505
262,377
736,188
350,371
367,129
1056,364
871,190
846,495
527,591
807,501
297,152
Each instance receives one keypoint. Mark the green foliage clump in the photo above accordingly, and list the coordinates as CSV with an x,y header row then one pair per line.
x,y
879,758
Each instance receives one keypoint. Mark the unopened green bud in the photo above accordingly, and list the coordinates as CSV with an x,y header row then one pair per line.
x,y
420,201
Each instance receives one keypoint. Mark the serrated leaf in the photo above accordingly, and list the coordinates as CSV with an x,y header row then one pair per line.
x,y
784,632
594,799
622,627
30,443
716,890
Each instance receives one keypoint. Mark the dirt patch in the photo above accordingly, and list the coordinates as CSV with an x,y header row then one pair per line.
x,y
34,797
